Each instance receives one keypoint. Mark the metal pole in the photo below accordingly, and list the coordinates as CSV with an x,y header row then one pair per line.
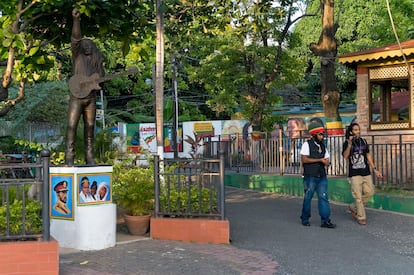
x,y
45,155
175,100
157,184
281,153
222,190
103,109
401,158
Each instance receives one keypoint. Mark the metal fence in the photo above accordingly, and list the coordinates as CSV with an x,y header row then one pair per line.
x,y
43,133
189,188
393,156
24,205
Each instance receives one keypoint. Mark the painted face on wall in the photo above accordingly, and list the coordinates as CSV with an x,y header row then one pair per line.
x,y
102,192
295,130
62,195
85,186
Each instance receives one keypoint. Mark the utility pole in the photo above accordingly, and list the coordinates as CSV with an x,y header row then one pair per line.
x,y
159,79
175,105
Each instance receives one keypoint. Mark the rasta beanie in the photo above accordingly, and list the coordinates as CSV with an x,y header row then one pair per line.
x,y
315,128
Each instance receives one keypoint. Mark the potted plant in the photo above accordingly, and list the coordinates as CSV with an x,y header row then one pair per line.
x,y
133,191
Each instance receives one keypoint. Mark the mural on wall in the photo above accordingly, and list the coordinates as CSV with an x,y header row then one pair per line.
x,y
200,130
296,127
94,188
194,133
239,133
233,128
168,138
61,196
203,129
148,137
142,137
132,138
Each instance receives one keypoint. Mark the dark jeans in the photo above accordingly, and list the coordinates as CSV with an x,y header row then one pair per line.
x,y
320,185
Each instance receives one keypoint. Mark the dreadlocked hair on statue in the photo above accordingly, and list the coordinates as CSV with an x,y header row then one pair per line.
x,y
96,59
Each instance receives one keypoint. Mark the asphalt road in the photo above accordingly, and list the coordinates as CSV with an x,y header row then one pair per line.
x,y
270,223
267,238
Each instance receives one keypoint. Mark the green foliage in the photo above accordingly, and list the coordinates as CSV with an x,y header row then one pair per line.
x,y
34,32
244,64
270,120
106,150
29,146
362,25
188,199
133,188
57,158
33,220
11,145
7,145
217,65
44,102
179,196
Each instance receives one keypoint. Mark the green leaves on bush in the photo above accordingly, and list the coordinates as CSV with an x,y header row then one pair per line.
x,y
193,199
133,189
33,218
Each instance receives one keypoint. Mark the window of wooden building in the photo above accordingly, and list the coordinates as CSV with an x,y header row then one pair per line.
x,y
389,89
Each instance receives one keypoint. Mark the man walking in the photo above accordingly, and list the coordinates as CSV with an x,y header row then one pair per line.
x,y
356,150
315,159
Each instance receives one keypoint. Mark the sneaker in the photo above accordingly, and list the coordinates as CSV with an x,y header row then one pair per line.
x,y
362,222
306,223
328,224
353,213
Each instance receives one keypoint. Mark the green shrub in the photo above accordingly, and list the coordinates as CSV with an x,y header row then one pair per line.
x,y
133,188
199,203
33,218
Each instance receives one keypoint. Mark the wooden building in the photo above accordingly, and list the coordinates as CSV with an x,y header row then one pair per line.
x,y
384,88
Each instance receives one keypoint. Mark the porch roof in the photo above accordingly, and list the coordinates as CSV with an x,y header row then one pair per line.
x,y
379,54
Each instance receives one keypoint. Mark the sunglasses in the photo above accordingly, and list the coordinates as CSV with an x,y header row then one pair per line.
x,y
321,134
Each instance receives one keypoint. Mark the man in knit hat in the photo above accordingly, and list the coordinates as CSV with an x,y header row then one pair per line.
x,y
315,159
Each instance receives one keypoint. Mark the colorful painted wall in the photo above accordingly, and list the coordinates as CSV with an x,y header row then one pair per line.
x,y
141,137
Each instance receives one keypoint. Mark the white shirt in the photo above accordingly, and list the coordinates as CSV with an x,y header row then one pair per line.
x,y
306,151
85,198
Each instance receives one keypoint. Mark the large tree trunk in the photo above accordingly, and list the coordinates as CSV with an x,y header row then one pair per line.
x,y
326,49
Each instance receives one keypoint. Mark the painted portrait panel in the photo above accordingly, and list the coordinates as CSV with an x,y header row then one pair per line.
x,y
94,188
61,196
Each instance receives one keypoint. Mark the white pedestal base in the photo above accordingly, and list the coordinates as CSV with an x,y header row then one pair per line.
x,y
94,225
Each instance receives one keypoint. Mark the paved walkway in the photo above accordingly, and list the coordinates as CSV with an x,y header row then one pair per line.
x,y
267,238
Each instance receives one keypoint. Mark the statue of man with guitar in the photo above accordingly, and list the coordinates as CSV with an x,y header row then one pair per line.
x,y
87,64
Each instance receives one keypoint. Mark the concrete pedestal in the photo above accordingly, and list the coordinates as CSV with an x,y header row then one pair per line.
x,y
92,225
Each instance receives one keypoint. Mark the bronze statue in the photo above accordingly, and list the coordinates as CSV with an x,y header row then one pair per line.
x,y
87,65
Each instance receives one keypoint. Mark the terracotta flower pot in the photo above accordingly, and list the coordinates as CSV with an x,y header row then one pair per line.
x,y
137,225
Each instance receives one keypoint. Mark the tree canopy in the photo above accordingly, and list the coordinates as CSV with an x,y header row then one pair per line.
x,y
231,56
34,32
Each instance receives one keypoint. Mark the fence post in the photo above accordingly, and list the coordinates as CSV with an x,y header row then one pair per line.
x,y
401,158
45,155
157,184
222,194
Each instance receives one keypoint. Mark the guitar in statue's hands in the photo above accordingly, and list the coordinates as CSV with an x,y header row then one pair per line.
x,y
81,86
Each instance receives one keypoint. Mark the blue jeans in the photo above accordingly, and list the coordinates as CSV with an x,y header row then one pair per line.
x,y
320,185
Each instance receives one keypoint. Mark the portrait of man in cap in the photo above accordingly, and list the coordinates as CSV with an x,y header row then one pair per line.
x,y
61,190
